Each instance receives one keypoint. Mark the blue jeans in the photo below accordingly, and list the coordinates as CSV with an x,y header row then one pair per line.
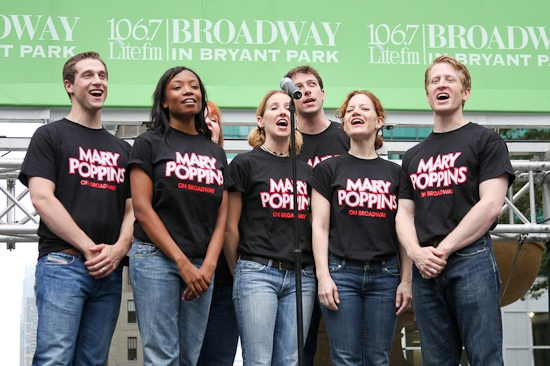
x,y
222,332
461,306
361,331
172,329
265,302
77,314
310,348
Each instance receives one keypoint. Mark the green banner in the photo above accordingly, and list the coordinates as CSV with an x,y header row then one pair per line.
x,y
241,49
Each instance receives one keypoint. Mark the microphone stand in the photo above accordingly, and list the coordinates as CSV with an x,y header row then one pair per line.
x,y
297,250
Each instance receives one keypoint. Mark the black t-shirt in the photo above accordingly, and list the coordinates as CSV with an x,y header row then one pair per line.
x,y
324,145
444,172
266,226
363,198
223,273
88,167
189,174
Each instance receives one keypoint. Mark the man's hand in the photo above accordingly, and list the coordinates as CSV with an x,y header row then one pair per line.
x,y
107,259
429,261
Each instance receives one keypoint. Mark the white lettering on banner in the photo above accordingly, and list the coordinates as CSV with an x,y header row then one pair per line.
x,y
403,56
262,40
493,59
36,28
542,60
145,52
477,37
311,56
257,32
49,51
182,54
228,54
413,44
6,48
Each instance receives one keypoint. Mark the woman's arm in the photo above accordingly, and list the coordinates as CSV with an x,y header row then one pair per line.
x,y
215,246
320,225
403,296
142,198
232,230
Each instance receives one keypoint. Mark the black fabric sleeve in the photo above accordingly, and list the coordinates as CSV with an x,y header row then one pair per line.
x,y
321,179
40,158
141,155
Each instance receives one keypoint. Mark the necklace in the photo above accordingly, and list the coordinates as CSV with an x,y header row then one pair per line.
x,y
283,154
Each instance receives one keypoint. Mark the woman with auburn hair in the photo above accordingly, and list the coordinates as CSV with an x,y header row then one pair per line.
x,y
260,230
178,178
213,118
355,198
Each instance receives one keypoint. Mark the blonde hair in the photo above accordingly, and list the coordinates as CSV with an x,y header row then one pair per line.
x,y
256,137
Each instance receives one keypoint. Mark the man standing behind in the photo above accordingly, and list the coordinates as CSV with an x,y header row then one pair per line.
x,y
459,176
76,174
323,139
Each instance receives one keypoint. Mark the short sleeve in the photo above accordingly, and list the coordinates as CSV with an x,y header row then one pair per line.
x,y
494,159
238,174
141,154
321,179
40,160
405,187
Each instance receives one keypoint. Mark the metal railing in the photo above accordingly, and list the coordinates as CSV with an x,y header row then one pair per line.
x,y
531,173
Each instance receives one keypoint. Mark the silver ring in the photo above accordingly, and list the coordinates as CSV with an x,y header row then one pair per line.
x,y
103,269
432,270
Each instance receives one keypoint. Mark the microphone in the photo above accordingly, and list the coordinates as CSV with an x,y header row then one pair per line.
x,y
288,87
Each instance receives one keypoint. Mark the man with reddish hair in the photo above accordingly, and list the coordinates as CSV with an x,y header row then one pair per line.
x,y
458,177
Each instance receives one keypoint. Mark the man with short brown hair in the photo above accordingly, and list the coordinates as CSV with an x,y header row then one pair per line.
x,y
76,174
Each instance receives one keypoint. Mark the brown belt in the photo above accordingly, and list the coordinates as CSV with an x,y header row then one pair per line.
x,y
72,251
124,262
275,263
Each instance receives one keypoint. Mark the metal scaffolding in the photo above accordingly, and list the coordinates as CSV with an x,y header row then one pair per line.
x,y
19,221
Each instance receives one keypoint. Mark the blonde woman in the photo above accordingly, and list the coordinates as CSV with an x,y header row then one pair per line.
x,y
261,229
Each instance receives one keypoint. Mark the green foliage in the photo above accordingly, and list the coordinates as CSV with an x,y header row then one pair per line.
x,y
525,134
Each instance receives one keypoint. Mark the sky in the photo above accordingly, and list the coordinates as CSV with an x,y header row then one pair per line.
x,y
12,271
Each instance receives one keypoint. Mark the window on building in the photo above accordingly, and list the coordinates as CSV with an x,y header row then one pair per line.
x,y
131,312
541,338
412,345
132,349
